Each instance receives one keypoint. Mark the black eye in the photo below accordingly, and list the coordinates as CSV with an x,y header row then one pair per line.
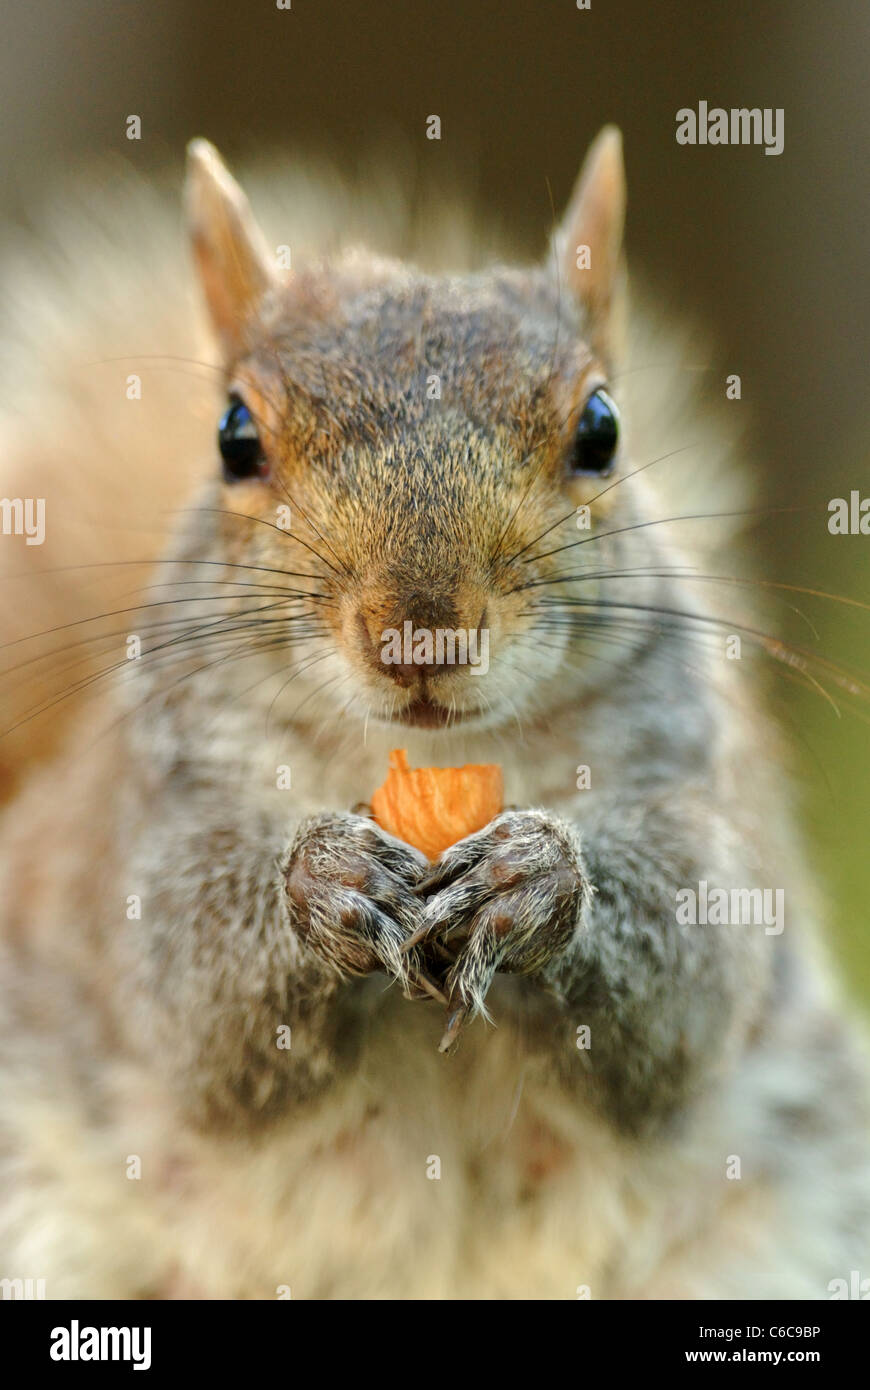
x,y
239,443
597,435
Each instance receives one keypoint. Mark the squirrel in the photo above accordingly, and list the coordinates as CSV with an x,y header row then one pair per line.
x,y
222,1075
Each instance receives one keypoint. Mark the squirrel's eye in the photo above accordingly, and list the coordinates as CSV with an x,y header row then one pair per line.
x,y
597,435
239,443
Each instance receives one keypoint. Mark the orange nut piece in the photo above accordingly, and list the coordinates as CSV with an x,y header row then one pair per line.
x,y
433,807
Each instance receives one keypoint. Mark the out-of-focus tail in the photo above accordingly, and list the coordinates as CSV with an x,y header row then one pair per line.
x,y
108,407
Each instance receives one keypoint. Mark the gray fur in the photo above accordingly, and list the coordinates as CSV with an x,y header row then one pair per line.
x,y
265,909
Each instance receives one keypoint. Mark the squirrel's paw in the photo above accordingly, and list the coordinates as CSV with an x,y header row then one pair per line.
x,y
349,893
510,897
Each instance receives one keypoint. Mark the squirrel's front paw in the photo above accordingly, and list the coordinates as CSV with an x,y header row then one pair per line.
x,y
509,897
349,892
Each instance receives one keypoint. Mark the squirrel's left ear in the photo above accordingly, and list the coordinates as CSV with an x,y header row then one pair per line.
x,y
229,249
588,244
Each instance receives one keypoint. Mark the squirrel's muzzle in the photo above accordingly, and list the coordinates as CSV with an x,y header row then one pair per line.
x,y
422,639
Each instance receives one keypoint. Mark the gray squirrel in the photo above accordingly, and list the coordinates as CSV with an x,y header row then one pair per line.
x,y
225,986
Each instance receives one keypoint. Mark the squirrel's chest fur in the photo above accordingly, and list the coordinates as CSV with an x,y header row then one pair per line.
x,y
414,1180
416,1176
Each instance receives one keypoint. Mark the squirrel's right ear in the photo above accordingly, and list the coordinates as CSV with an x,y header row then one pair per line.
x,y
588,244
229,249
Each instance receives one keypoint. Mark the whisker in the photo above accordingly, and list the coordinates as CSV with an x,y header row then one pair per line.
x,y
511,559
345,568
663,521
773,646
215,627
111,638
162,691
309,696
223,511
557,428
168,560
135,608
688,572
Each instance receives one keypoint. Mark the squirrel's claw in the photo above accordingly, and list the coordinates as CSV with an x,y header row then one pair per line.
x,y
455,1023
427,987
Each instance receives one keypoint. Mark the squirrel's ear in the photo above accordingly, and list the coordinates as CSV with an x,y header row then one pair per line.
x,y
588,245
231,254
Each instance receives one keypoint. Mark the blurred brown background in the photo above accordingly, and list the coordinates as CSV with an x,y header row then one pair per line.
x,y
770,251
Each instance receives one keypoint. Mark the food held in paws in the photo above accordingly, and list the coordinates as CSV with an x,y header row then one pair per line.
x,y
433,807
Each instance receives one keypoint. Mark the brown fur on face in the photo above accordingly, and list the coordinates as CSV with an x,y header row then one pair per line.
x,y
416,503
420,431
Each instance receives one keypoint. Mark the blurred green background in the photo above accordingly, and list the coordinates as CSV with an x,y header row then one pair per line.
x,y
769,251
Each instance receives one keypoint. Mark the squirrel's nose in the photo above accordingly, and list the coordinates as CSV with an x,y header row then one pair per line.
x,y
408,649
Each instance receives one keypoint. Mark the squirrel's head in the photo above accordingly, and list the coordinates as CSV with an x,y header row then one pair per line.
x,y
409,462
